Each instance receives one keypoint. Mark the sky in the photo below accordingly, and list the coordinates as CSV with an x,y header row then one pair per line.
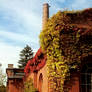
x,y
21,24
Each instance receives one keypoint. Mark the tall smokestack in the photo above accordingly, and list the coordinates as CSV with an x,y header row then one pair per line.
x,y
45,14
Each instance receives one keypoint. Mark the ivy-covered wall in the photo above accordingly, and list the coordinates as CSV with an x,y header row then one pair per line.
x,y
66,39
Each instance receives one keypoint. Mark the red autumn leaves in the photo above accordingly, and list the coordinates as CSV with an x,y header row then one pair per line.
x,y
36,63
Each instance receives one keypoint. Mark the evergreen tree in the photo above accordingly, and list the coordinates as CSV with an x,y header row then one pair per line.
x,y
25,55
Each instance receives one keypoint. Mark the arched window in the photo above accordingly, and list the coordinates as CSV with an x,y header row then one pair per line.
x,y
86,75
40,82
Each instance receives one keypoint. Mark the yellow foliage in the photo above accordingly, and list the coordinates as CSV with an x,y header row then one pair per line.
x,y
63,48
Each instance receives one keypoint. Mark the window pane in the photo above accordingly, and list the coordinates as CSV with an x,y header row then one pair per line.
x,y
83,79
88,78
83,88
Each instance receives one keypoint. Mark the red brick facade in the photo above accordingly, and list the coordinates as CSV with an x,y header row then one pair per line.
x,y
41,82
15,79
40,79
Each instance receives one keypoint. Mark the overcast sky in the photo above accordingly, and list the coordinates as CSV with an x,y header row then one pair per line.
x,y
20,24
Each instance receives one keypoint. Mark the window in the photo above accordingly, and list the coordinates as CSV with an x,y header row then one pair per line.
x,y
86,78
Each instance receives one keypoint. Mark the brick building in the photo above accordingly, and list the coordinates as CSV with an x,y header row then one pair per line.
x,y
80,81
14,79
36,69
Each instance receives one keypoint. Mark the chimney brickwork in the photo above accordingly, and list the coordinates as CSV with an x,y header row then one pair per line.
x,y
45,14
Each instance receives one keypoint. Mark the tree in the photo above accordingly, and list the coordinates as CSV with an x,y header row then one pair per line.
x,y
2,88
25,55
29,87
2,80
2,77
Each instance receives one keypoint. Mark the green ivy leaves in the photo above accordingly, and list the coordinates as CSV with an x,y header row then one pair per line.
x,y
60,40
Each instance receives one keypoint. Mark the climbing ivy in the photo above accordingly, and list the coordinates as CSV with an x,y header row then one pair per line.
x,y
29,87
65,44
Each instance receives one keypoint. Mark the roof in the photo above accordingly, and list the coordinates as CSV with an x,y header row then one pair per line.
x,y
17,73
82,19
36,63
15,77
14,68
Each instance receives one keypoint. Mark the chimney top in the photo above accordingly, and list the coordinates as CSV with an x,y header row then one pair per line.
x,y
45,4
45,14
10,65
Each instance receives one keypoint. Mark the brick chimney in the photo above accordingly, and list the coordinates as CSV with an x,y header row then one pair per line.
x,y
9,70
10,65
45,14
